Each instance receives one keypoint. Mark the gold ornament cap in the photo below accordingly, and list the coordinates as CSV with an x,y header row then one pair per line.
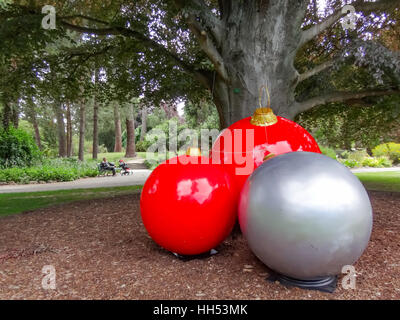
x,y
193,152
269,156
263,117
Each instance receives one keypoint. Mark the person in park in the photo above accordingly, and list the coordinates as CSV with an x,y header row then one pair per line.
x,y
105,165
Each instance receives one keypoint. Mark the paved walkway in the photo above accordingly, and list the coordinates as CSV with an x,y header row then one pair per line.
x,y
138,178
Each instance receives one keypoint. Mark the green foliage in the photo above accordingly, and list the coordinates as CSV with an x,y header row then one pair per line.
x,y
89,148
350,163
50,152
107,138
167,127
342,127
151,164
344,154
390,150
329,152
17,148
142,146
155,118
50,170
201,116
358,155
381,162
360,158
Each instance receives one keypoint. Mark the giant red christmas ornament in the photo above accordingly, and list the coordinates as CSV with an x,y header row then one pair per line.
x,y
244,146
185,207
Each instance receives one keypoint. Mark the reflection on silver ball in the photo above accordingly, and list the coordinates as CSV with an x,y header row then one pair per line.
x,y
305,215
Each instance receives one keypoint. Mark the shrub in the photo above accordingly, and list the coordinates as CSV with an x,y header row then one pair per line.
x,y
17,148
142,146
358,155
151,164
390,150
376,162
329,152
344,154
50,170
350,163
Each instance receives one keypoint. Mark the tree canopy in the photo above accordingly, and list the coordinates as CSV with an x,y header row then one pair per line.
x,y
201,50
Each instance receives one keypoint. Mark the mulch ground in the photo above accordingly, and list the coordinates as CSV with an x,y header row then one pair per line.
x,y
100,250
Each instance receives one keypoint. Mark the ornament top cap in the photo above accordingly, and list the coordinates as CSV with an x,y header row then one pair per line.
x,y
263,117
193,152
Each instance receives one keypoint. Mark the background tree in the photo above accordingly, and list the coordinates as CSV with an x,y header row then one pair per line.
x,y
143,130
118,128
82,129
130,131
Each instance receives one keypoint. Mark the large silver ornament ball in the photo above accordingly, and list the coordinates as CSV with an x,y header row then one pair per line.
x,y
305,215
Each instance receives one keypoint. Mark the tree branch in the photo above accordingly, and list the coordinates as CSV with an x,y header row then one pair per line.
x,y
359,5
339,97
80,16
309,73
198,8
206,44
202,76
130,33
208,47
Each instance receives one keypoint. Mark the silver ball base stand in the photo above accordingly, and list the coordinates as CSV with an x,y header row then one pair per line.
x,y
197,256
324,284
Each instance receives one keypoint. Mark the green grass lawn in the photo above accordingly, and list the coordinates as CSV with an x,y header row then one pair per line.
x,y
12,203
381,181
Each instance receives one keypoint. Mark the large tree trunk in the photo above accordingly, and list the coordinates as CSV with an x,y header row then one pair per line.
x,y
258,49
144,123
69,131
118,131
33,118
130,133
62,148
82,130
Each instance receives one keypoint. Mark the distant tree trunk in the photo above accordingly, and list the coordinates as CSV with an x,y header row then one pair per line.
x,y
37,133
130,133
33,118
62,150
82,129
69,131
118,131
95,129
144,123
95,120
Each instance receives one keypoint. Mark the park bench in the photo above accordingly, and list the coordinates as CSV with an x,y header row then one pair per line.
x,y
104,171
